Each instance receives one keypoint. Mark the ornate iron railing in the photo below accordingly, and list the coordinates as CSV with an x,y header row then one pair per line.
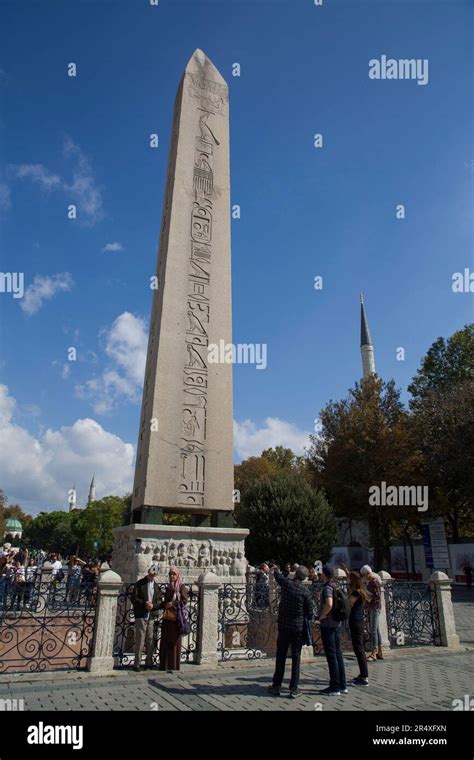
x,y
124,640
412,614
248,615
45,625
247,620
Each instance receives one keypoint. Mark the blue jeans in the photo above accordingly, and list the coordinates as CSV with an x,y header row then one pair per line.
x,y
332,649
3,589
375,635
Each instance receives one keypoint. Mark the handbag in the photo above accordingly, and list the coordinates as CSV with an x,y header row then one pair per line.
x,y
184,626
170,615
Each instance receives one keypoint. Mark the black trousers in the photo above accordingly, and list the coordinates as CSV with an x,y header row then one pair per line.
x,y
285,638
357,635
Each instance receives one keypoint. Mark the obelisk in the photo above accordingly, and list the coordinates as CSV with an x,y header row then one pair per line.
x,y
185,449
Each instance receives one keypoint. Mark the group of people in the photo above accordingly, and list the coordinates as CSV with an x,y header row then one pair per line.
x,y
17,577
20,569
147,600
296,613
81,576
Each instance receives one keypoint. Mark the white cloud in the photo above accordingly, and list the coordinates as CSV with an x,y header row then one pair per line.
x,y
43,289
38,471
81,189
125,346
37,173
65,369
112,247
249,440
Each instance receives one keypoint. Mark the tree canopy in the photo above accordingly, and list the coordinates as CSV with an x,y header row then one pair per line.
x,y
288,520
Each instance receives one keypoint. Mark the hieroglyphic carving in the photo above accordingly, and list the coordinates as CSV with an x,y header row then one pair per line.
x,y
211,96
192,471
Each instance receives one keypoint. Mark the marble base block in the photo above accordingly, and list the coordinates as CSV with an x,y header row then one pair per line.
x,y
193,550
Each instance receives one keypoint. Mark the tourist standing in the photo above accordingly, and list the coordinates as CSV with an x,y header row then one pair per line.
x,y
374,588
357,599
176,596
74,573
146,602
295,609
18,584
4,576
57,572
30,577
262,586
331,636
90,577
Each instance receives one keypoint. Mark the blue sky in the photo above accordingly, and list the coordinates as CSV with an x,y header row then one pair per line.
x,y
305,211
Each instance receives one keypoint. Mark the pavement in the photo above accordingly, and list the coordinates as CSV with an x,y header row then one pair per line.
x,y
423,678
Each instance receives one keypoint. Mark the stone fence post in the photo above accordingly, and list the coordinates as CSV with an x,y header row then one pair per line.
x,y
384,632
208,619
447,626
108,587
45,572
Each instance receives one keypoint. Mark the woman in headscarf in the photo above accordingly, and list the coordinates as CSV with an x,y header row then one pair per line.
x,y
170,643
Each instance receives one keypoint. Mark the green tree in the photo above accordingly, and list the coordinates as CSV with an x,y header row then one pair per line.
x,y
443,428
447,363
288,520
270,462
250,470
53,532
98,519
365,440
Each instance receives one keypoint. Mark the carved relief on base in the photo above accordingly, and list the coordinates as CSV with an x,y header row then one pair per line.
x,y
132,557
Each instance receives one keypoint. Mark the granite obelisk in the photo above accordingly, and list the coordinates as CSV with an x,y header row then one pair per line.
x,y
185,449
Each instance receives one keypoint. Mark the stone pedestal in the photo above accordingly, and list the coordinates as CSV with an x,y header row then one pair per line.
x,y
384,632
101,660
208,619
447,625
194,550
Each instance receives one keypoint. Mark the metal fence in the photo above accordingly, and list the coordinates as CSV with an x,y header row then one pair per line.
x,y
248,620
412,614
246,626
124,639
45,624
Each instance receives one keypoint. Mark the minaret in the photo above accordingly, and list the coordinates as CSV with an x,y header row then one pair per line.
x,y
91,491
366,347
72,498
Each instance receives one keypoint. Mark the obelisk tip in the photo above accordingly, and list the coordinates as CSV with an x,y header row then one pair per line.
x,y
201,64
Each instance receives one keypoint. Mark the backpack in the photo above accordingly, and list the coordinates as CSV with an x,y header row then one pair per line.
x,y
341,608
60,575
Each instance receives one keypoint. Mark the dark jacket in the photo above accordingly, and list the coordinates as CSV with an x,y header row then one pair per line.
x,y
140,597
295,603
169,595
